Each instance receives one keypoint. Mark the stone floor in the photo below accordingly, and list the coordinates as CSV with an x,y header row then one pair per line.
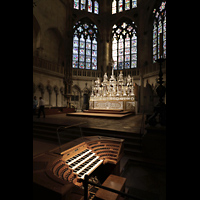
x,y
130,123
143,181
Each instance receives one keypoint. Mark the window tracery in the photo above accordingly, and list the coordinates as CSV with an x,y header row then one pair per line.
x,y
124,45
85,46
159,32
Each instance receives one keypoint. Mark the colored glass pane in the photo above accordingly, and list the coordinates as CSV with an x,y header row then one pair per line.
x,y
114,45
94,41
82,4
124,49
96,7
120,5
134,42
75,44
82,51
88,52
127,51
127,65
94,46
114,7
88,65
75,64
118,31
76,4
75,57
129,28
89,5
75,50
88,58
120,65
121,59
94,66
134,57
127,42
94,53
82,44
81,58
134,50
159,29
133,64
134,3
127,57
94,59
127,4
90,31
114,53
88,45
81,65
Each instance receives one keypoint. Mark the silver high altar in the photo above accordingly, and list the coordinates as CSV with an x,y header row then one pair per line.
x,y
113,94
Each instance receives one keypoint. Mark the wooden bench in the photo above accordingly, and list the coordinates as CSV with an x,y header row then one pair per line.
x,y
114,182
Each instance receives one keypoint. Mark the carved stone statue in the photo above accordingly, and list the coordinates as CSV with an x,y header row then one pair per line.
x,y
105,78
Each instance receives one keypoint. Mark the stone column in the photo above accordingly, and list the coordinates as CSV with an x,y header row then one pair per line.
x,y
49,89
56,91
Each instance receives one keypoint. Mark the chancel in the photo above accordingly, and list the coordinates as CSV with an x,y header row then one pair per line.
x,y
100,67
113,94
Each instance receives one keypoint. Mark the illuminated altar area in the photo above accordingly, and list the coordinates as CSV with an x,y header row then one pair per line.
x,y
113,94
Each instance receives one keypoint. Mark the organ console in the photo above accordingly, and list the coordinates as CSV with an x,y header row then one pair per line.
x,y
59,174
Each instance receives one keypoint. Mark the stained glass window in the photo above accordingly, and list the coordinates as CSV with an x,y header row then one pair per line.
x,y
76,4
85,46
91,6
120,5
96,7
83,4
134,3
123,5
159,32
124,45
114,7
127,4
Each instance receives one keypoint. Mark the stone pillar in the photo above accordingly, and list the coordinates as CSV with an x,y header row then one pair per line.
x,y
62,93
56,91
49,89
141,109
41,88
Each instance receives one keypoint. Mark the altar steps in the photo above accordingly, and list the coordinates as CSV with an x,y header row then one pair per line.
x,y
102,113
106,111
48,132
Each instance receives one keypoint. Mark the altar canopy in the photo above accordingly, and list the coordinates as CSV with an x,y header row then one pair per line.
x,y
113,94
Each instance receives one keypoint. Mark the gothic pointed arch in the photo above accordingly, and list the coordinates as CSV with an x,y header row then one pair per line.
x,y
124,44
85,41
51,42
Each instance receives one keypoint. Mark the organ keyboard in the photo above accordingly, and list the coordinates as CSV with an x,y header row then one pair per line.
x,y
63,172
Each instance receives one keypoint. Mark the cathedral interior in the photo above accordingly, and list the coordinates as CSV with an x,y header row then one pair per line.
x,y
100,67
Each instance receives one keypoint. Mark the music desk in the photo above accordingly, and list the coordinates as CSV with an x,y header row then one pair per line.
x,y
114,182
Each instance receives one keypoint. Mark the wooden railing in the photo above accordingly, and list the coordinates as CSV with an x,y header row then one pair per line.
x,y
45,64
